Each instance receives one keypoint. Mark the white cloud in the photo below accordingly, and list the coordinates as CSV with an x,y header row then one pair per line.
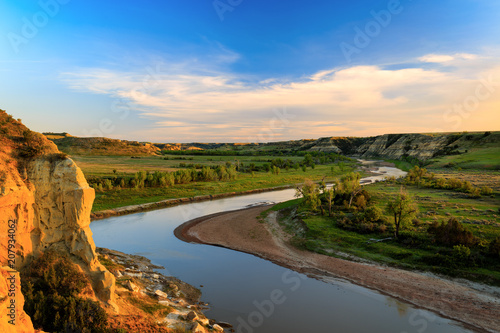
x,y
446,58
194,102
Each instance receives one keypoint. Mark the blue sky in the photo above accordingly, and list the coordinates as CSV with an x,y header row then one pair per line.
x,y
241,70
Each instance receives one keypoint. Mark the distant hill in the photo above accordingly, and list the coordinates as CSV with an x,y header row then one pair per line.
x,y
465,149
101,146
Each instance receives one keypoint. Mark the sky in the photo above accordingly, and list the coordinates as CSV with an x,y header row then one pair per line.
x,y
250,70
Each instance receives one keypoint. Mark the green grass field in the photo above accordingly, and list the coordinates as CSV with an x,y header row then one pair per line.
x,y
416,248
485,158
103,166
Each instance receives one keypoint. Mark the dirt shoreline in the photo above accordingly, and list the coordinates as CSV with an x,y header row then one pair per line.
x,y
477,308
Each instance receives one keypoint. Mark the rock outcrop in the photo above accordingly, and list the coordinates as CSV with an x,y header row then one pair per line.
x,y
45,203
396,146
62,204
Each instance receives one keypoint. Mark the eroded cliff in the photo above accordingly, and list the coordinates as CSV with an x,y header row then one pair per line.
x,y
398,146
45,203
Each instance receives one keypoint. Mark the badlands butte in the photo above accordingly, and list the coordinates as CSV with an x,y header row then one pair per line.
x,y
389,146
45,209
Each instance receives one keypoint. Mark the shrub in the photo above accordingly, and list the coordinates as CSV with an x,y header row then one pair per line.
x,y
475,193
452,233
467,187
360,201
34,144
461,253
494,248
440,183
53,158
51,286
108,185
485,190
373,214
367,227
454,183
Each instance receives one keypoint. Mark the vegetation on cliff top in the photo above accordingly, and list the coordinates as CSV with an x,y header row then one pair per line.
x,y
57,296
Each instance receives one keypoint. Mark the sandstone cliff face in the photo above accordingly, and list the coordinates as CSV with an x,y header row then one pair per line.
x,y
45,203
62,205
12,317
52,210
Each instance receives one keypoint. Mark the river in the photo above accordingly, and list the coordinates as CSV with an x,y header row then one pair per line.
x,y
255,295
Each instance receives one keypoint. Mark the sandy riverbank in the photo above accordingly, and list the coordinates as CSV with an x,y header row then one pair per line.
x,y
476,306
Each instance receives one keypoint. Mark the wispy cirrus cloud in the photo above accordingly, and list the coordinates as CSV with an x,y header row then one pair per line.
x,y
198,101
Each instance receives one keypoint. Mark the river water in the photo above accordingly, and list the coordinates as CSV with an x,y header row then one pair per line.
x,y
254,294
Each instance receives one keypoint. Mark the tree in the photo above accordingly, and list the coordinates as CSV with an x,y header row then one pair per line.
x,y
349,184
330,196
416,175
308,160
310,192
403,208
452,233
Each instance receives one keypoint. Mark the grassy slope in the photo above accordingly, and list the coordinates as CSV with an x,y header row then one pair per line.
x,y
476,151
476,158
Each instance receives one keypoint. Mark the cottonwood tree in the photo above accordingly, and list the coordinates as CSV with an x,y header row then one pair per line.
x,y
310,192
330,196
416,175
403,208
349,184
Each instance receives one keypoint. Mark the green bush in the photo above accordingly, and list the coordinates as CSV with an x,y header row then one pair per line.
x,y
494,248
461,252
52,286
452,233
485,190
34,144
373,214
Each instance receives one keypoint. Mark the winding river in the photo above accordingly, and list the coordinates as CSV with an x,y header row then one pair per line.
x,y
256,295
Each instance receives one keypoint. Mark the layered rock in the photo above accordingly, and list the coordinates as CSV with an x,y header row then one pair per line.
x,y
45,203
396,146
